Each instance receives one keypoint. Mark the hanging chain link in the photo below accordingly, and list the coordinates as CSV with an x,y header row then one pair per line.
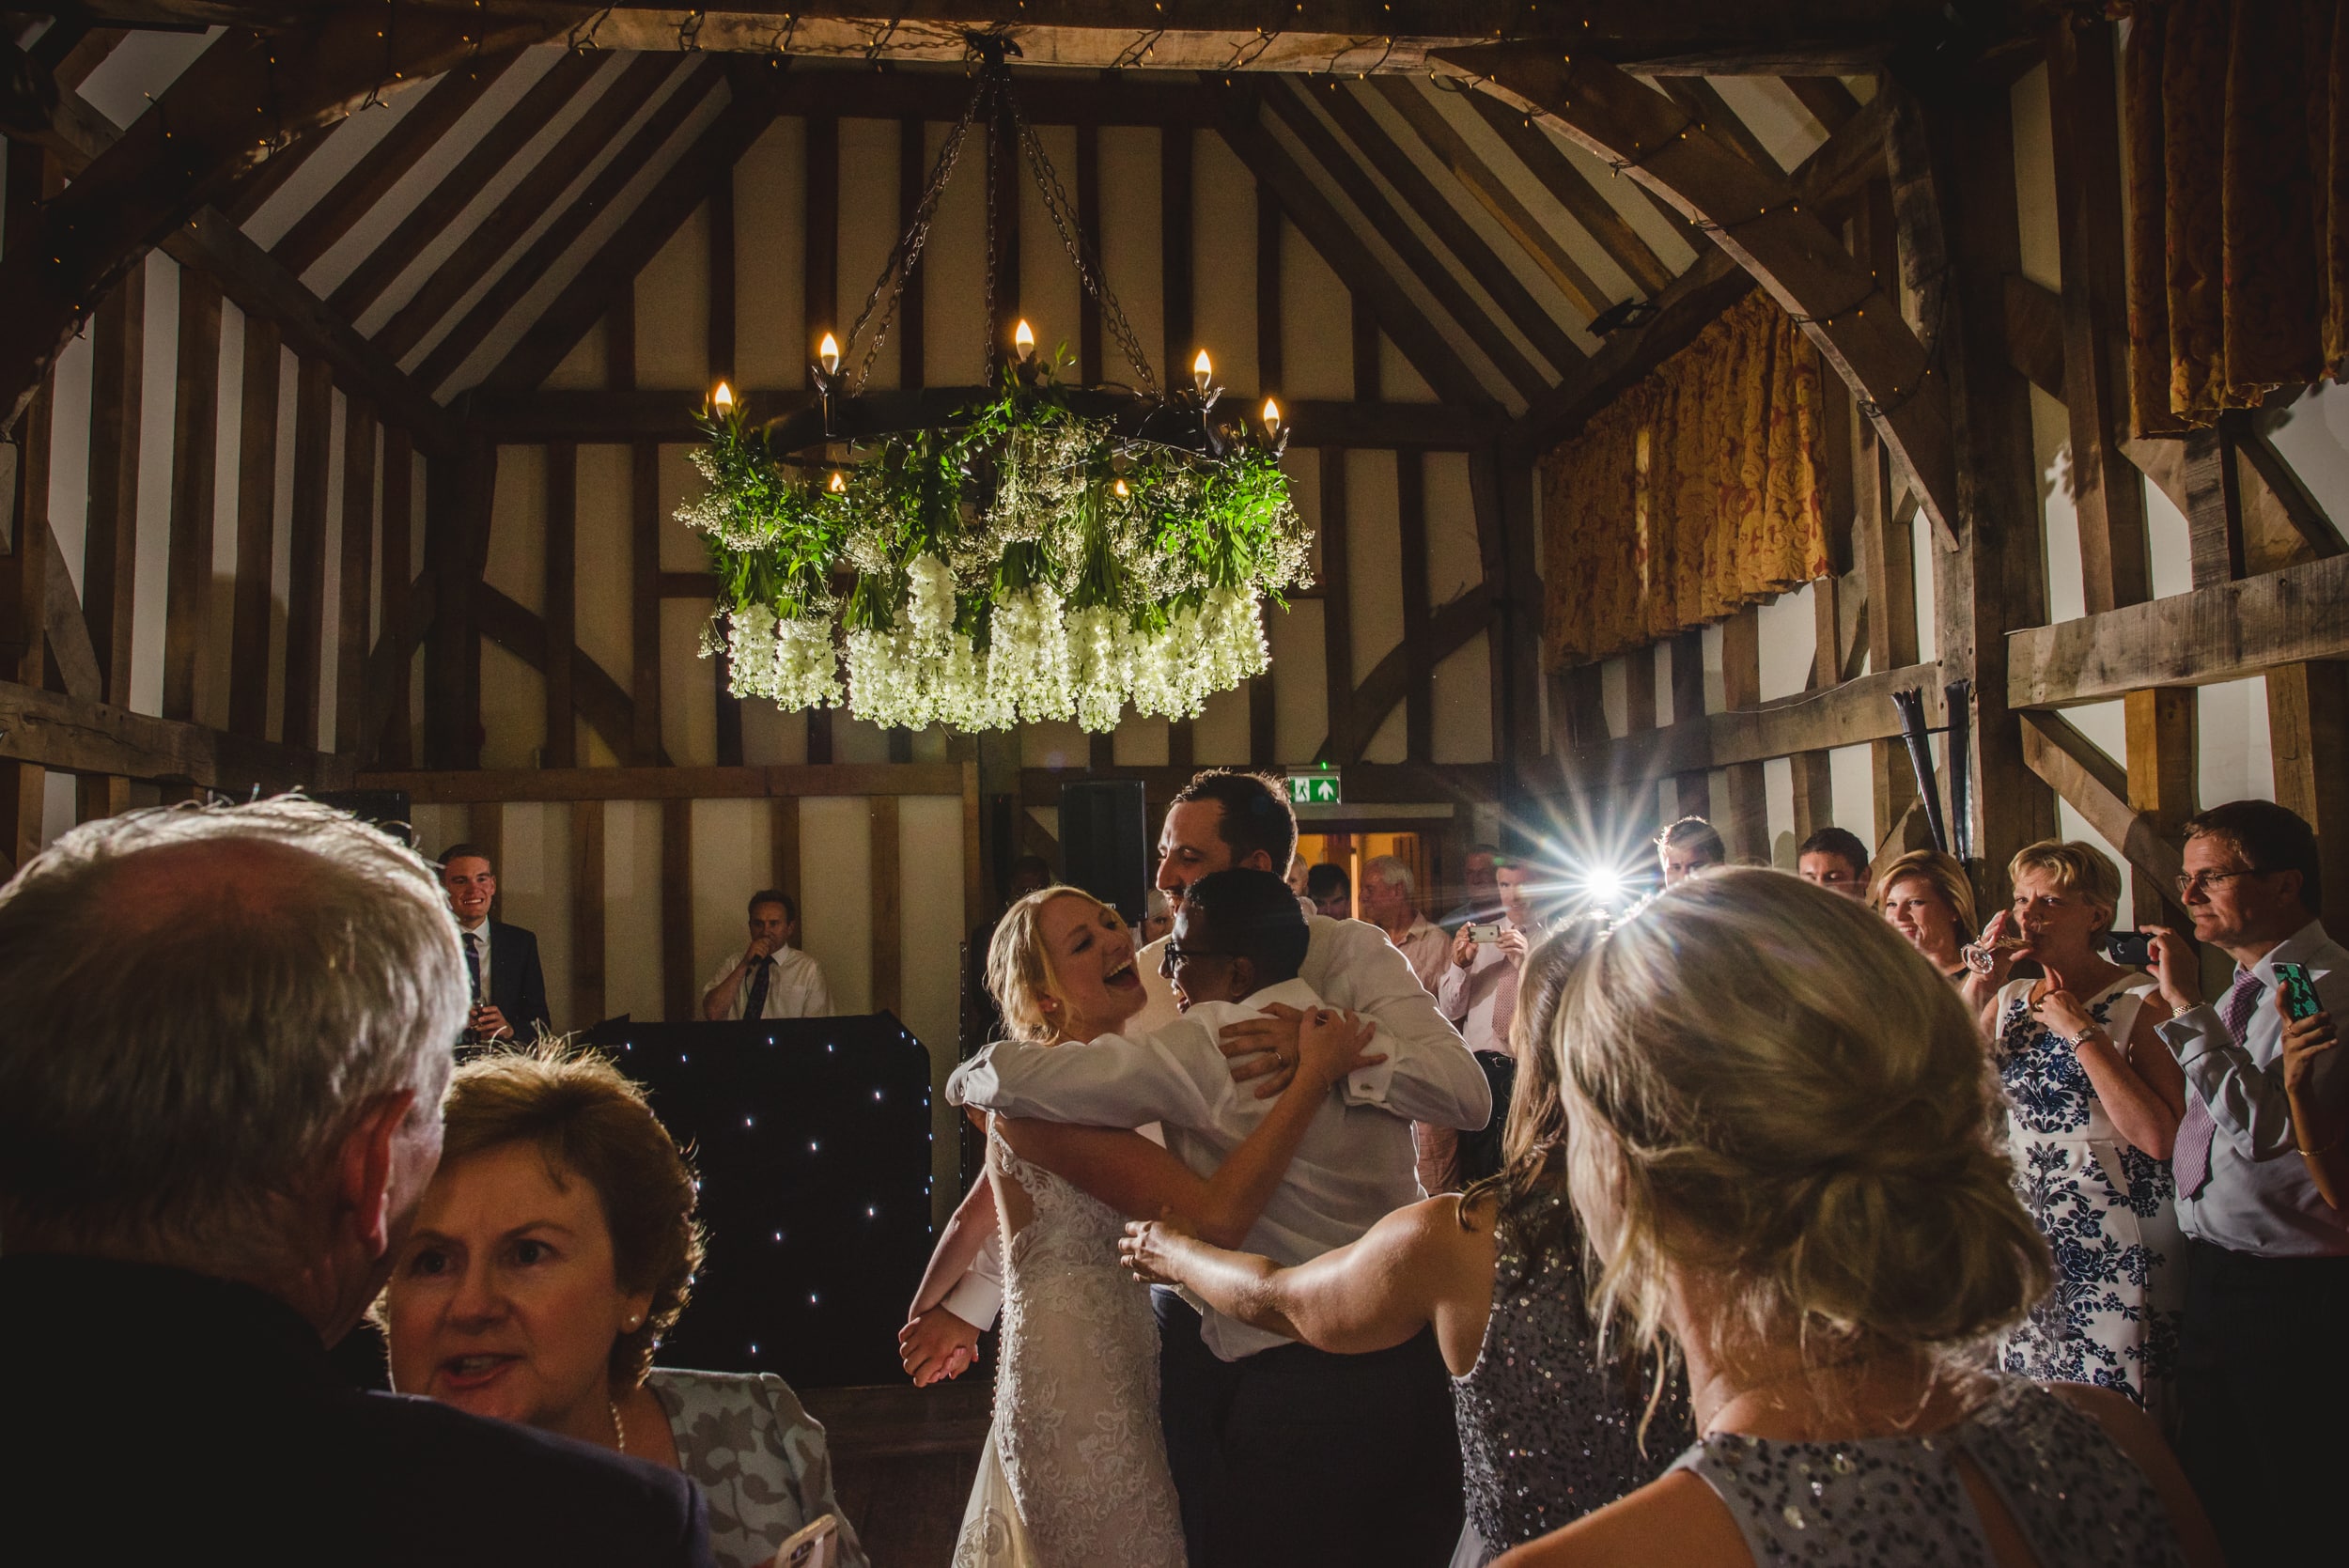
x,y
1089,274
992,93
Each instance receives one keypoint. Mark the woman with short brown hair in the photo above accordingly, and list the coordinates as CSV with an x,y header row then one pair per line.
x,y
554,1248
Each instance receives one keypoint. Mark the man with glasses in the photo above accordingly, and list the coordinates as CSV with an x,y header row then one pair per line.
x,y
2262,1376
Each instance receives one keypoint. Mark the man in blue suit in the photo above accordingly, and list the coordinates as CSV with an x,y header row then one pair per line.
x,y
509,994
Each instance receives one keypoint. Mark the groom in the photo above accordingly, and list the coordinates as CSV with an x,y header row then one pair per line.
x,y
1283,1454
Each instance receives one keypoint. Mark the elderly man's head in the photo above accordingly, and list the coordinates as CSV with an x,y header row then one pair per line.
x,y
228,1035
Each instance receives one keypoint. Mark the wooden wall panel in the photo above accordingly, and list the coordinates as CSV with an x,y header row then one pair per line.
x,y
356,584
195,425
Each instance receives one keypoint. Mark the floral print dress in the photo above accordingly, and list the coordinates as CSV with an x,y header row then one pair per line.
x,y
2106,1208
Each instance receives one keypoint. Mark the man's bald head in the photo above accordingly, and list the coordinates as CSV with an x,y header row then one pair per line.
x,y
200,1001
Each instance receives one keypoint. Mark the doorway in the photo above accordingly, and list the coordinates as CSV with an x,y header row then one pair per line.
x,y
1352,846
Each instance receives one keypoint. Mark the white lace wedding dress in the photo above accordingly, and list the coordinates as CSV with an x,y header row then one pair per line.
x,y
1075,1472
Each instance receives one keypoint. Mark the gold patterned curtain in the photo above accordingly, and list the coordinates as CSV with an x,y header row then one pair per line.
x,y
2238,136
1695,493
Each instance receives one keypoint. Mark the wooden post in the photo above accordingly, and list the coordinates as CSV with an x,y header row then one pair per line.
x,y
1688,657
562,603
195,419
2107,492
1268,358
678,982
1176,294
888,932
305,605
2214,505
2308,726
783,845
1089,236
351,721
587,934
392,744
1419,703
1883,546
720,284
110,549
1337,633
912,169
23,614
2162,757
1748,826
256,535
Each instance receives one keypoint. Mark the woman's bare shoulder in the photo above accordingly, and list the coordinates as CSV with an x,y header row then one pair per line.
x,y
1672,1522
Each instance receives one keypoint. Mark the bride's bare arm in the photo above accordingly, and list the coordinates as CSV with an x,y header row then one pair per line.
x,y
1136,1177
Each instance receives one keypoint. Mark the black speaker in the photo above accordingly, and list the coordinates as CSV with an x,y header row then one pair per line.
x,y
1105,842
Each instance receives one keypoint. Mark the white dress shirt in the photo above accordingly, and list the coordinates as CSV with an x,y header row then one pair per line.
x,y
1428,950
2260,1197
1353,1167
1466,996
796,990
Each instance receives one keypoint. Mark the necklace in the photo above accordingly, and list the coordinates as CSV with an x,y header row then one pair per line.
x,y
620,1432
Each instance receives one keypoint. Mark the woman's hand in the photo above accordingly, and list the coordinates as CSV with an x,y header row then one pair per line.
x,y
937,1347
1152,1250
1330,1044
2305,1042
1992,954
2060,1011
1263,1047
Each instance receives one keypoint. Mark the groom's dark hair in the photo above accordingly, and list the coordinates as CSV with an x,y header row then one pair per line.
x,y
1250,914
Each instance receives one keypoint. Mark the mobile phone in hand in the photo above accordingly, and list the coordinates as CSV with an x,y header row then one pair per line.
x,y
1484,933
2299,991
815,1546
2130,948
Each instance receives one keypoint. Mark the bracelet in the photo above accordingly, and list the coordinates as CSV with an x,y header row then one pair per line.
x,y
2312,1154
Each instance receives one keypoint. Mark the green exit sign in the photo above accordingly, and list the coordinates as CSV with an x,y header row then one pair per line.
x,y
1317,789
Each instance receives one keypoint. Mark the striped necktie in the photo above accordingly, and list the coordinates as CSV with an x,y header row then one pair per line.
x,y
2191,1159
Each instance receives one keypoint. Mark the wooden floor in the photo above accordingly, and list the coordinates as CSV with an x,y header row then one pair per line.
x,y
902,1461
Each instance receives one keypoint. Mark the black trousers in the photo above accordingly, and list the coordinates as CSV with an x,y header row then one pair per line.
x,y
1296,1456
2264,1401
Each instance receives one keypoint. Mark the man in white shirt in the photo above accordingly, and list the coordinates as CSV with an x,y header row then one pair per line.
x,y
770,978
1477,990
1293,1455
1390,902
2262,1376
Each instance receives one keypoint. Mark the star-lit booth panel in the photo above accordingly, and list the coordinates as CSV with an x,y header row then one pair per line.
x,y
810,1138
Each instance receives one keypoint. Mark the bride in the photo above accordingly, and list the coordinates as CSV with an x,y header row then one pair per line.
x,y
1075,1471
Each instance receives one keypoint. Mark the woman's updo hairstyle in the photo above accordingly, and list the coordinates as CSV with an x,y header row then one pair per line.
x,y
1018,970
1766,1088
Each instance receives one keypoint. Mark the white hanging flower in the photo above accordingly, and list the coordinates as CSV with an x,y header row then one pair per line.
x,y
1100,658
804,670
1028,667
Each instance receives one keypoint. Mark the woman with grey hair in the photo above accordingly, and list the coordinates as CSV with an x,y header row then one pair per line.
x,y
1779,1148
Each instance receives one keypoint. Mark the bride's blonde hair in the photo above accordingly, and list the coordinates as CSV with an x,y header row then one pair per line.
x,y
1766,1088
1020,973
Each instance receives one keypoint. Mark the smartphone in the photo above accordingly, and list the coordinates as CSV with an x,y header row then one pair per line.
x,y
816,1545
2130,948
1483,933
2299,991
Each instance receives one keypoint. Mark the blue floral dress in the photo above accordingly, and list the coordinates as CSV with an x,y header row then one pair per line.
x,y
2106,1208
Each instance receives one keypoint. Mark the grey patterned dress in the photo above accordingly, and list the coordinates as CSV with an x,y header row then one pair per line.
x,y
758,1456
1547,1433
2074,1496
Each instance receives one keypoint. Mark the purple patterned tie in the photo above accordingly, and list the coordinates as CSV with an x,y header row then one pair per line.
x,y
2191,1161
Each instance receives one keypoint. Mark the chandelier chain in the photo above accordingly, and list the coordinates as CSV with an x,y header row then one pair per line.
x,y
900,264
1094,282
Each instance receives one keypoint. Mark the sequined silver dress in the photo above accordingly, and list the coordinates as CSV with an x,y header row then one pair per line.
x,y
2077,1498
1547,1435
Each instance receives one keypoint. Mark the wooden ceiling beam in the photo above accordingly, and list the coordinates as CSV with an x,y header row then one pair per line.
x,y
206,128
1762,222
499,145
1452,150
1704,100
1819,38
1829,103
383,165
1547,162
458,344
1531,317
1318,220
758,97
1688,306
539,190
1439,280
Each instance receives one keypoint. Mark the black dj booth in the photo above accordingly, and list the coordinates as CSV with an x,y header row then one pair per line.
x,y
810,1138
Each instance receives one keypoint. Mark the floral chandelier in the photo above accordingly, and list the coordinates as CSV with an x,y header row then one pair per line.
x,y
1038,551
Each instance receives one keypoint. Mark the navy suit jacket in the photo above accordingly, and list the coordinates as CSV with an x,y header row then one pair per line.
x,y
182,1417
518,988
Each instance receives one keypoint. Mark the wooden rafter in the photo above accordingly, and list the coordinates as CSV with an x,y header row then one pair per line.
x,y
499,145
1547,162
1441,283
1758,219
379,168
536,194
1441,138
1492,274
1302,201
1687,306
49,729
1704,103
458,343
2098,788
583,302
190,147
1830,103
